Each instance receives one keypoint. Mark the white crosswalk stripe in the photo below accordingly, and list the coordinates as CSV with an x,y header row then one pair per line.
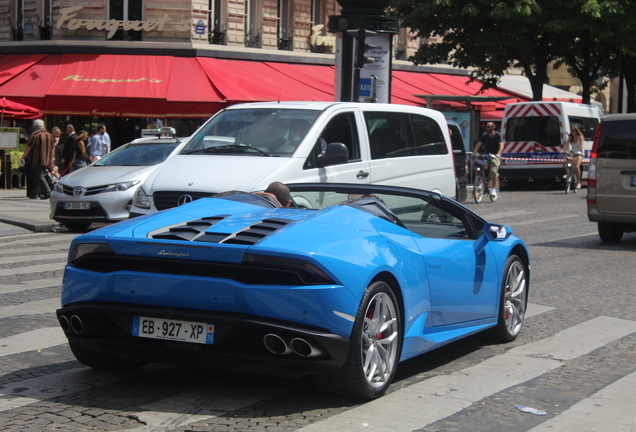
x,y
196,405
31,308
29,258
611,409
32,340
34,269
29,285
407,409
430,400
19,394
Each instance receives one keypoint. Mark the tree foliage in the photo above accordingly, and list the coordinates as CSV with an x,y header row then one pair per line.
x,y
490,36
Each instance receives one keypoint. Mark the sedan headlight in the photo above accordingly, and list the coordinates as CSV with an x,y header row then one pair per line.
x,y
120,187
141,199
58,188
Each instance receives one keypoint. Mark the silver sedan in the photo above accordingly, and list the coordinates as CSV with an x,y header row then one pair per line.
x,y
103,191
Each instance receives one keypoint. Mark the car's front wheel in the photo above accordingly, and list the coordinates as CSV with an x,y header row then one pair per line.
x,y
513,301
376,342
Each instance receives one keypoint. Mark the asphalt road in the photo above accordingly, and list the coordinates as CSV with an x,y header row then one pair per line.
x,y
575,359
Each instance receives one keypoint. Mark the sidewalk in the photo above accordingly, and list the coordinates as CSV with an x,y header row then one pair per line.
x,y
16,210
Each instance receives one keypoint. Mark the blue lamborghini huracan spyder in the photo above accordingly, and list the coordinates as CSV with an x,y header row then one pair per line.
x,y
344,284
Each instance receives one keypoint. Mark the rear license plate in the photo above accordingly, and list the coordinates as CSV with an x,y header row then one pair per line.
x,y
632,182
181,331
77,206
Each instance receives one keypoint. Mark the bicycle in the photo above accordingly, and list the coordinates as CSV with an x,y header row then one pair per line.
x,y
570,168
481,183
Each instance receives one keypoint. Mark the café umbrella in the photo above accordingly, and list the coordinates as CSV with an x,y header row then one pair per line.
x,y
16,109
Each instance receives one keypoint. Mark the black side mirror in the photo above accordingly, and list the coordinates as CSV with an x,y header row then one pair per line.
x,y
336,153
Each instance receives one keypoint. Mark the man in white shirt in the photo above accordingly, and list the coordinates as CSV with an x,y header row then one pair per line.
x,y
106,140
99,148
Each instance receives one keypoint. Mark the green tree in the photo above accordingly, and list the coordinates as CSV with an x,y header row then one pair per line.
x,y
489,36
592,45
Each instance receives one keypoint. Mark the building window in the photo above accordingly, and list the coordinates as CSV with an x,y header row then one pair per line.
x,y
317,12
217,24
17,24
130,10
285,27
252,24
46,23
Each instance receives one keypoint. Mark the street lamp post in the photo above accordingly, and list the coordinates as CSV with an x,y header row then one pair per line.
x,y
363,50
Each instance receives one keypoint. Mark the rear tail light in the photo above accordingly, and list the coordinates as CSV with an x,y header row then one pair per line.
x,y
591,171
308,272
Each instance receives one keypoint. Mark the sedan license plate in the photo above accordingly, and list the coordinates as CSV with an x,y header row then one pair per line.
x,y
181,331
77,206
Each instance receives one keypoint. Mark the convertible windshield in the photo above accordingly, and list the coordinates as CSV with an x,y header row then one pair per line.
x,y
138,154
253,132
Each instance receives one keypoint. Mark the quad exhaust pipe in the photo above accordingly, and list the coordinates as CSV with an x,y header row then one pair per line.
x,y
73,324
66,326
277,345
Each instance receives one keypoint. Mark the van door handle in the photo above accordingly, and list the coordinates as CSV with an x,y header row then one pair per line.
x,y
362,174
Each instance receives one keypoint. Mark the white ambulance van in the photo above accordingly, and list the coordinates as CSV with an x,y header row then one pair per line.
x,y
533,133
246,147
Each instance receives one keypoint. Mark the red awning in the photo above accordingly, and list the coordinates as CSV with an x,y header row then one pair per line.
x,y
31,85
492,115
165,86
12,65
249,81
110,85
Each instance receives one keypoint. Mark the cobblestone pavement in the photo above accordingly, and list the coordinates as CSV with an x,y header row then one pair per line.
x,y
576,281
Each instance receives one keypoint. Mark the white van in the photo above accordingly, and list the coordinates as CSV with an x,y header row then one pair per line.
x,y
533,134
246,147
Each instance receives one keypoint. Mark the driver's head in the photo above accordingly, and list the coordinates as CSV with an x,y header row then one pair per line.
x,y
281,192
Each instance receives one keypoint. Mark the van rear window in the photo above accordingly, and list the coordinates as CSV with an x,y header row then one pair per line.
x,y
544,130
587,125
618,140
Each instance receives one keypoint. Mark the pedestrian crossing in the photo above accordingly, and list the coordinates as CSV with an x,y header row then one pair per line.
x,y
206,402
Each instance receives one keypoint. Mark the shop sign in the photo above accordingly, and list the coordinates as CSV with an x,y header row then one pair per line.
x,y
68,20
319,37
99,113
80,78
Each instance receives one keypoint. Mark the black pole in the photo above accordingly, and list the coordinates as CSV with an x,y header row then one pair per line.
x,y
346,92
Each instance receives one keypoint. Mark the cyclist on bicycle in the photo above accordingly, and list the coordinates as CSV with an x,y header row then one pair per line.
x,y
493,145
574,146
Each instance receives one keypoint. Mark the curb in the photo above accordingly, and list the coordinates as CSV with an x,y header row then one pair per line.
x,y
31,225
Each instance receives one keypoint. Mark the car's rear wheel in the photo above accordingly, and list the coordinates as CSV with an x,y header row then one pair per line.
x,y
514,300
376,342
101,360
610,233
76,226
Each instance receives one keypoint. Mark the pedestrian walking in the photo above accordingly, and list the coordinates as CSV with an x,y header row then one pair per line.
x,y
106,139
82,157
90,147
100,147
68,152
38,155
